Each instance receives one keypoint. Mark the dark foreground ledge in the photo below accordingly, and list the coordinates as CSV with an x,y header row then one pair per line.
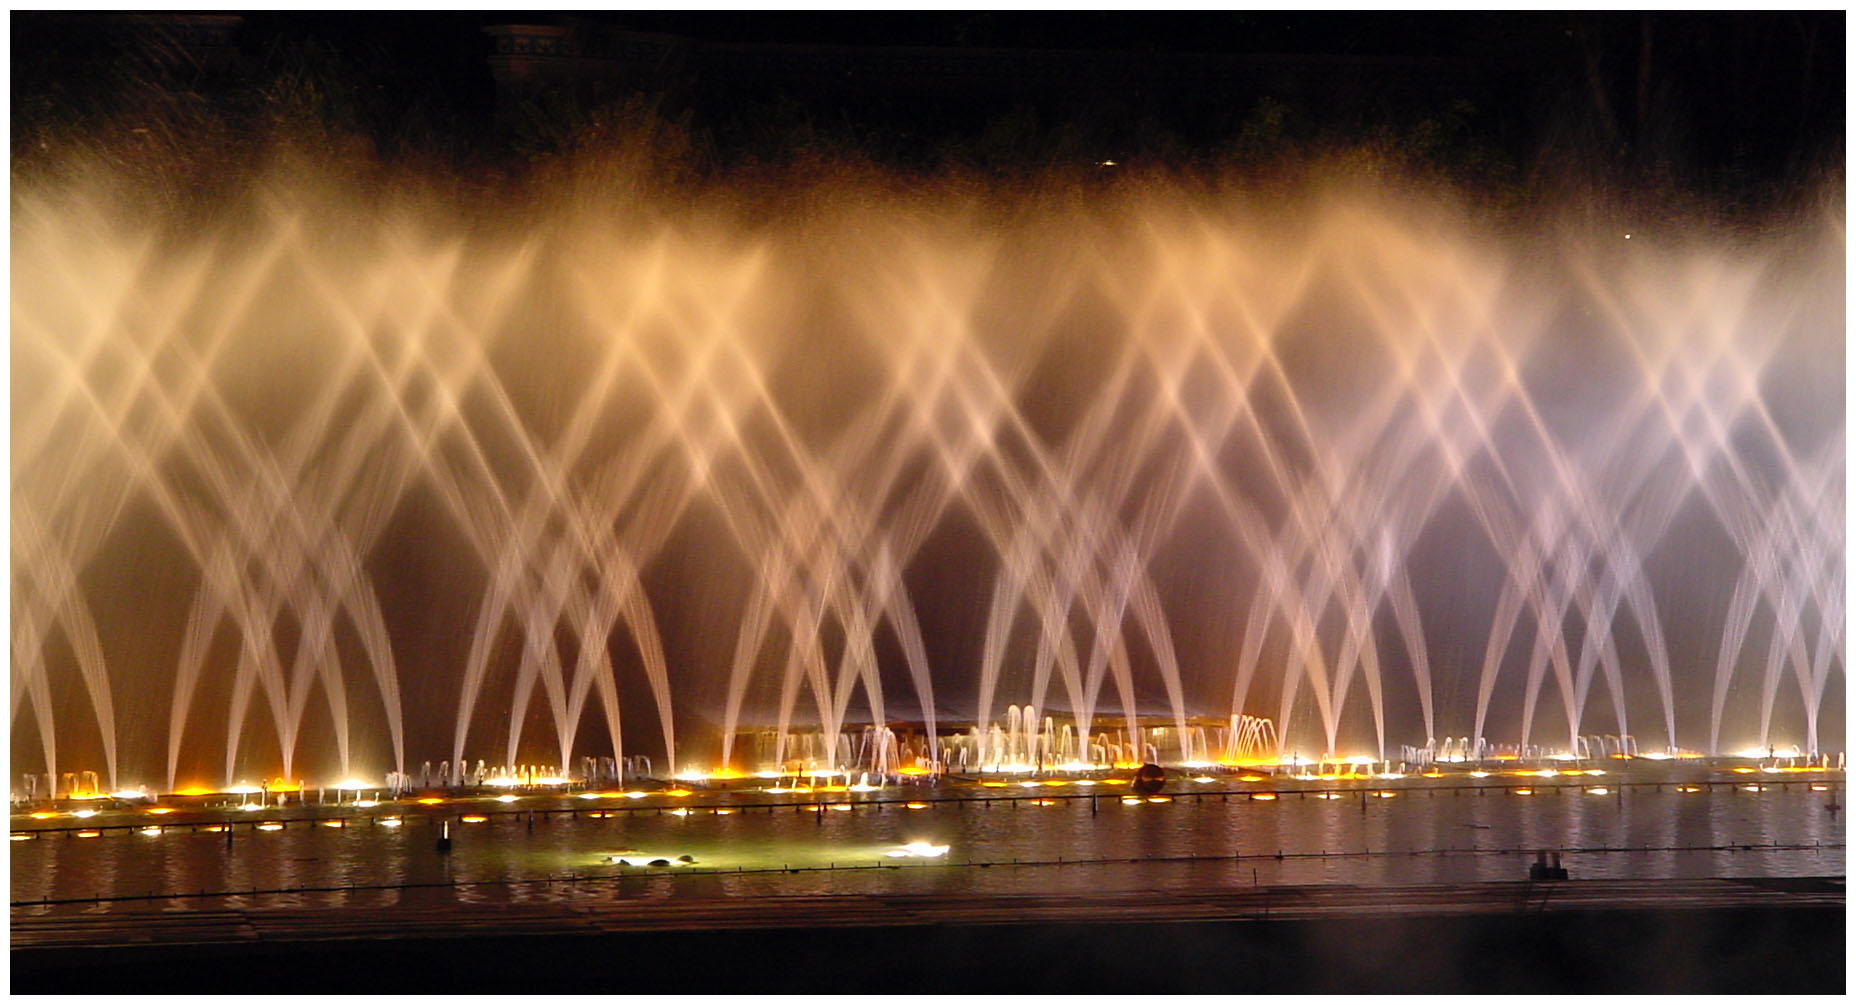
x,y
1769,936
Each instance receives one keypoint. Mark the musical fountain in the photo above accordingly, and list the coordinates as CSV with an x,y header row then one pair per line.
x,y
327,484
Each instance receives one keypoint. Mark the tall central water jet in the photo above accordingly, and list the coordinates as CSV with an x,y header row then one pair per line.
x,y
327,484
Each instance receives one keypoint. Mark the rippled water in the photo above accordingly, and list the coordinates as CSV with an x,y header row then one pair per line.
x,y
744,843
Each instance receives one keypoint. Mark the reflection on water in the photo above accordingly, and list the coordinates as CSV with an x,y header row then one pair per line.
x,y
1196,839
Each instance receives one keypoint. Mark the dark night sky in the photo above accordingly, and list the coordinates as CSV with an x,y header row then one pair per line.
x,y
1735,102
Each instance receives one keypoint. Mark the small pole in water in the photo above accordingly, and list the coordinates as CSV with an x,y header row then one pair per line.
x,y
444,836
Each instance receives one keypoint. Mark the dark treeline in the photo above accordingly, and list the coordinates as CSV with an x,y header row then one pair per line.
x,y
1731,110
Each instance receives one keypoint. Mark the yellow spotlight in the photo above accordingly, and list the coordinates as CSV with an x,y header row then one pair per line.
x,y
1598,790
915,806
41,814
506,798
331,823
271,826
1263,797
83,814
390,821
1159,799
474,819
1524,792
1130,800
429,801
150,831
676,792
21,837
88,834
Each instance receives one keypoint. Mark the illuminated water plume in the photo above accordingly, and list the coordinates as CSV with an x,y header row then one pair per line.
x,y
380,482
